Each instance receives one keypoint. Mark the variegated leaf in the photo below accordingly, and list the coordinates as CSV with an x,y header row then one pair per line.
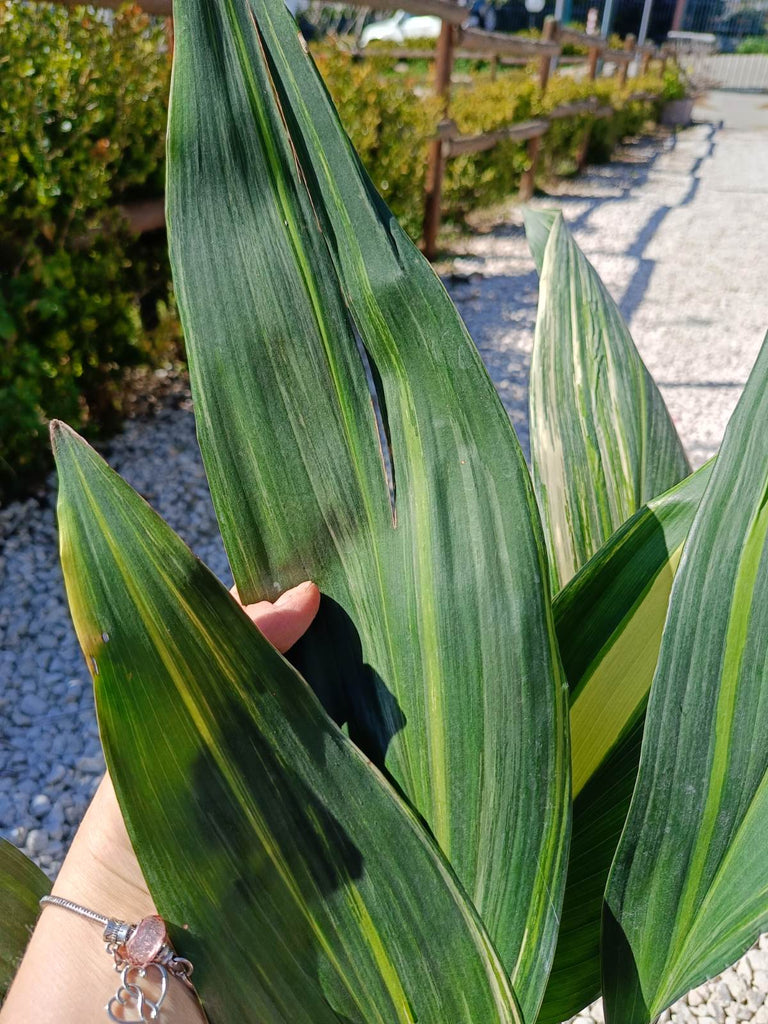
x,y
609,622
602,441
300,298
688,890
299,883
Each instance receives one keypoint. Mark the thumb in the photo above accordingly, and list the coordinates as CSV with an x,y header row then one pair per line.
x,y
288,618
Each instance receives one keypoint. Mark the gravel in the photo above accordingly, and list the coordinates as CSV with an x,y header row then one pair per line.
x,y
672,225
50,756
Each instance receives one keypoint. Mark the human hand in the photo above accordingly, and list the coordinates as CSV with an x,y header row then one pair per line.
x,y
65,955
103,832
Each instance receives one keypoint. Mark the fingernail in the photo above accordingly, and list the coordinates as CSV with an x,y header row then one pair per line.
x,y
294,592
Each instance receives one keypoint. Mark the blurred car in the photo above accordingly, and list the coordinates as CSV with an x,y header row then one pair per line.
x,y
401,26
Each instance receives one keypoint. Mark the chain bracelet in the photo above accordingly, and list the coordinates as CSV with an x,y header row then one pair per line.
x,y
143,957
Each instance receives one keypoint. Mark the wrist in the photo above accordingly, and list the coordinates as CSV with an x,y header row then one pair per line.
x,y
66,973
101,869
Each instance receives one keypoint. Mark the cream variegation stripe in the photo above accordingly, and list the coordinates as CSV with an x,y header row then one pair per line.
x,y
617,683
294,283
602,442
686,894
610,620
725,720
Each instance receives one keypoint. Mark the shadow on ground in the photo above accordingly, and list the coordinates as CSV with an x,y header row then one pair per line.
x,y
492,278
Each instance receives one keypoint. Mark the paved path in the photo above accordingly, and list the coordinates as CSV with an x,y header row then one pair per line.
x,y
676,228
677,231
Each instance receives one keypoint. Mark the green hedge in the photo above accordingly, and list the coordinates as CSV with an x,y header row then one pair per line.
x,y
391,117
83,105
83,101
753,44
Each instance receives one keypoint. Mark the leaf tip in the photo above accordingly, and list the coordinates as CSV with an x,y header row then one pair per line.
x,y
75,459
538,227
60,433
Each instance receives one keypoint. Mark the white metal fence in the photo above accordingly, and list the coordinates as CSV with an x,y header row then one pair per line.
x,y
748,72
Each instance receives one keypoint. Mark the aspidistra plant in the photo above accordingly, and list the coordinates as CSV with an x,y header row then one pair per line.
x,y
386,822
435,646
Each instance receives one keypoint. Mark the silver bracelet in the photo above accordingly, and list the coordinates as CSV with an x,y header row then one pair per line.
x,y
142,953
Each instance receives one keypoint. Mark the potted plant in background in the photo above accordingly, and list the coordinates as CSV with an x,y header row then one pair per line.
x,y
678,98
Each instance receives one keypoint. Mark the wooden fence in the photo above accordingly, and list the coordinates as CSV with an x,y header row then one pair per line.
x,y
457,41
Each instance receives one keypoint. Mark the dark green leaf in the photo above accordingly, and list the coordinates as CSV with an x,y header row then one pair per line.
x,y
435,642
688,891
22,884
300,885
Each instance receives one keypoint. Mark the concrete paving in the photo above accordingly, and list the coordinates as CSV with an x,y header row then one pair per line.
x,y
676,228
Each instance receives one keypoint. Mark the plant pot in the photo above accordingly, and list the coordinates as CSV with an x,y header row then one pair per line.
x,y
677,113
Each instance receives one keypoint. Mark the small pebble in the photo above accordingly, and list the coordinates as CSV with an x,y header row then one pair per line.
x,y
736,987
756,997
90,765
37,841
40,805
32,705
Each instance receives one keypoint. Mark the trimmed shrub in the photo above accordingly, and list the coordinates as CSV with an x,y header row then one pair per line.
x,y
83,104
481,179
753,44
391,116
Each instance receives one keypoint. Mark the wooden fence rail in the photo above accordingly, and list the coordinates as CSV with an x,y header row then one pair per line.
x,y
405,54
457,41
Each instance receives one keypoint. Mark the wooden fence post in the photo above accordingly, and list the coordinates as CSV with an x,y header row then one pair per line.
x,y
629,46
645,62
435,163
548,35
528,180
170,34
594,57
583,150
581,156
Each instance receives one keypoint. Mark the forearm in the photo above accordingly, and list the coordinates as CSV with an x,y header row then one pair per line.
x,y
66,976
